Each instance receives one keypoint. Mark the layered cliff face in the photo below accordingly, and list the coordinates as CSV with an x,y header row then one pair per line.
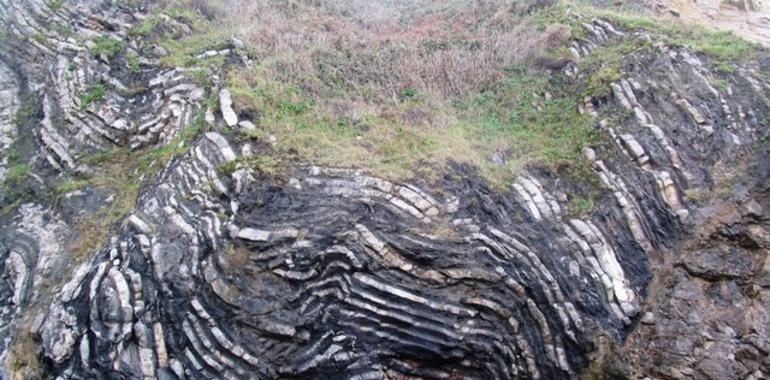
x,y
137,243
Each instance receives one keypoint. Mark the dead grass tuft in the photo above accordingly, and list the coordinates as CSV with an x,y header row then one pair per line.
x,y
452,49
237,257
23,360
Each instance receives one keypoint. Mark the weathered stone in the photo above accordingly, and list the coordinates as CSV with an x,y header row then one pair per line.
x,y
226,106
247,126
254,234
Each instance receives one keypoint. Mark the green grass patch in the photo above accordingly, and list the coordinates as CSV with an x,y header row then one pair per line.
x,y
55,5
184,52
722,85
725,66
27,111
17,173
64,30
121,178
133,63
533,127
96,94
70,185
17,188
722,45
40,38
580,206
188,15
147,26
110,47
562,13
605,64
515,119
409,93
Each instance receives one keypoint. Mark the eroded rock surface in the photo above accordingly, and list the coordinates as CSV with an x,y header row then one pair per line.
x,y
747,18
9,99
332,272
712,297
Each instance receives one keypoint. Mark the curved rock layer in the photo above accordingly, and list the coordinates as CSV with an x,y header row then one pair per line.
x,y
339,274
335,273
52,48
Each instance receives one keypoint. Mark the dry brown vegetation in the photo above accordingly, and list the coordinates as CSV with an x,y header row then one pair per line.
x,y
398,87
237,257
23,358
382,48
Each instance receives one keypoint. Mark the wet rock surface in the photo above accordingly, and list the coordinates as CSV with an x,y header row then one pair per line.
x,y
333,272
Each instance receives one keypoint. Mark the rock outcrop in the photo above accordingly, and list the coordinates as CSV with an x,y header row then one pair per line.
x,y
747,18
333,272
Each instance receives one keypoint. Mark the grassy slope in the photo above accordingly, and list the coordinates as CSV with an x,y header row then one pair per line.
x,y
352,98
401,89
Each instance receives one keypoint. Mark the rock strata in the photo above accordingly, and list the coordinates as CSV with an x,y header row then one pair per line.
x,y
334,272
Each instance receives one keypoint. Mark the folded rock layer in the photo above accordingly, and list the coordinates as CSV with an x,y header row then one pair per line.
x,y
336,273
